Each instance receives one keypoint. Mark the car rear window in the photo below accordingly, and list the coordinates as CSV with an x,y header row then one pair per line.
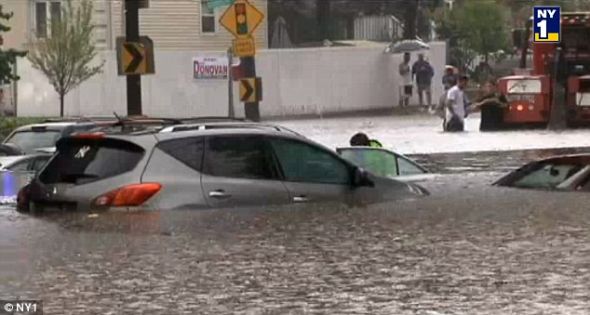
x,y
188,151
81,161
29,141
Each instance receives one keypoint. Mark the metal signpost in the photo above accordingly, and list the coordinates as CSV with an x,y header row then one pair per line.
x,y
135,55
241,19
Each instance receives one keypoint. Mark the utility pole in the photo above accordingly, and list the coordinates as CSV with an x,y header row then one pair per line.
x,y
251,110
230,83
132,35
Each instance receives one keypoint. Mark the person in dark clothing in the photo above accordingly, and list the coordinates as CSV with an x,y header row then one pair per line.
x,y
491,105
423,72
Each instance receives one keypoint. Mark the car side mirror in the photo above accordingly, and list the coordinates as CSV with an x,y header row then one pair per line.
x,y
361,178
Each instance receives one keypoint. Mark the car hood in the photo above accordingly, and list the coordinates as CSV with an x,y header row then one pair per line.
x,y
417,178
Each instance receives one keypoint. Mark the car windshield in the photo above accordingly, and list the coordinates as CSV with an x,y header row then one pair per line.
x,y
378,162
29,140
547,176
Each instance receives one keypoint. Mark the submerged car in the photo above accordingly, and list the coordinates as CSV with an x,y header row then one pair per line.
x,y
385,163
196,166
16,172
31,138
569,173
24,163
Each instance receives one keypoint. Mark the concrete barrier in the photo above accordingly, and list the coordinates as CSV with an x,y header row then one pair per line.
x,y
296,82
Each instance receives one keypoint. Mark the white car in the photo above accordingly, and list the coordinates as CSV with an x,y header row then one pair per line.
x,y
23,163
16,172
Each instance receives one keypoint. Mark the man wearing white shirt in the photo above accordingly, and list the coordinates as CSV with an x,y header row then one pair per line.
x,y
455,112
405,73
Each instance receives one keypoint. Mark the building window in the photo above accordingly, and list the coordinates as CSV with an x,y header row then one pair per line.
x,y
45,12
208,18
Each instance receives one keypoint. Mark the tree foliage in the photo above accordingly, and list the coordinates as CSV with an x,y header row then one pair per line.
x,y
7,57
65,57
316,20
474,28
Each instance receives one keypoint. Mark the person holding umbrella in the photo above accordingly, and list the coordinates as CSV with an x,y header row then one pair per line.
x,y
406,47
405,80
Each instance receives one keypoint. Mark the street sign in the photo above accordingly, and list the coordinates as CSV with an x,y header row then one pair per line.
x,y
212,4
251,90
135,58
244,47
241,18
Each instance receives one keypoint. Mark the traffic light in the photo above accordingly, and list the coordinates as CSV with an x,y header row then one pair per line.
x,y
241,20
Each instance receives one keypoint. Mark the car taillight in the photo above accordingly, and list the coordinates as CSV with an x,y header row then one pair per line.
x,y
128,196
91,136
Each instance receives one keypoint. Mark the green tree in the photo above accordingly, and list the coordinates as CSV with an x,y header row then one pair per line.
x,y
482,25
477,27
7,57
65,57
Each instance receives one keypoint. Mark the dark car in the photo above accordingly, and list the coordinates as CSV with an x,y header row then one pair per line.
x,y
570,173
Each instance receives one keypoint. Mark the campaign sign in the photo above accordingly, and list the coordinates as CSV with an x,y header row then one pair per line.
x,y
547,24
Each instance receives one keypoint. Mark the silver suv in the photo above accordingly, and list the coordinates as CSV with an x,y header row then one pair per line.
x,y
201,166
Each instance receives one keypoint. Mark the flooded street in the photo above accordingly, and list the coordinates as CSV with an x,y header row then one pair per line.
x,y
468,249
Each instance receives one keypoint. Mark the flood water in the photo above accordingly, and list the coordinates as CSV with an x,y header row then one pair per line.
x,y
468,249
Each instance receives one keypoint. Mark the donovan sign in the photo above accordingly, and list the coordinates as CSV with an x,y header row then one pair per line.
x,y
207,67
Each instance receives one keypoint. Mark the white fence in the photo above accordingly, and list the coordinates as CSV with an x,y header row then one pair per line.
x,y
295,82
377,28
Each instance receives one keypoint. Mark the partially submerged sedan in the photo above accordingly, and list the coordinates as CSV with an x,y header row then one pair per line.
x,y
569,173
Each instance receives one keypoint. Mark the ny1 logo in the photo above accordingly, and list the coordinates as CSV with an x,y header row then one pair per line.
x,y
547,24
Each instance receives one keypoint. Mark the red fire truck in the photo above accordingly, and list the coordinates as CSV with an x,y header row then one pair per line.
x,y
560,76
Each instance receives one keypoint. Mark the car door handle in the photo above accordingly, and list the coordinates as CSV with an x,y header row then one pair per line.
x,y
300,199
219,194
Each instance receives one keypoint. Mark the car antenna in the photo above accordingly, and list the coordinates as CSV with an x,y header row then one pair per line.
x,y
117,116
120,120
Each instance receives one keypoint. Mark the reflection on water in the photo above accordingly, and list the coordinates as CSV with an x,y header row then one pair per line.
x,y
480,250
11,183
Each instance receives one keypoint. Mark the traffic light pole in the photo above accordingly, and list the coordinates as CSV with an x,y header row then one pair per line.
x,y
230,84
251,110
132,35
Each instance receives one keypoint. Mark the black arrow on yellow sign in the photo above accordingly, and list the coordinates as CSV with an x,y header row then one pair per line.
x,y
136,55
248,90
251,90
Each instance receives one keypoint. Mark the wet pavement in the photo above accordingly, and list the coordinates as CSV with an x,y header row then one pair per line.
x,y
468,249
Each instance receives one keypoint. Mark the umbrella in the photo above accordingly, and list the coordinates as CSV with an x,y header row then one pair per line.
x,y
280,36
408,45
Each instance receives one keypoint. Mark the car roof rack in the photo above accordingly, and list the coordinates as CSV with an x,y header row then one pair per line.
x,y
202,119
75,119
228,125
